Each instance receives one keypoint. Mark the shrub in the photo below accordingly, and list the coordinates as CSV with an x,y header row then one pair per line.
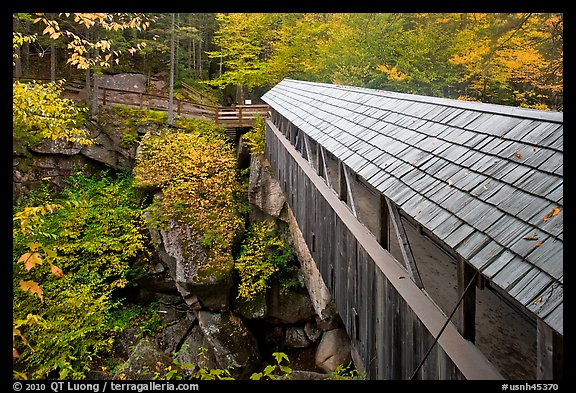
x,y
196,172
263,257
39,112
95,239
133,117
255,139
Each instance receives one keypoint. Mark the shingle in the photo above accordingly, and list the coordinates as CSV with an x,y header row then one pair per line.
x,y
546,301
541,132
530,286
497,264
548,257
481,177
555,319
459,234
486,255
473,244
513,272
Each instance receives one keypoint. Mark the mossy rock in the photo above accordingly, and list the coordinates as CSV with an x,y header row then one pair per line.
x,y
254,308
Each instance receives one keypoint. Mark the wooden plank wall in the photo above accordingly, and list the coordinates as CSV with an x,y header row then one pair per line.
x,y
384,330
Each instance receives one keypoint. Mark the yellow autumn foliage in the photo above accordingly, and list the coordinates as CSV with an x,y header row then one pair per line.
x,y
196,172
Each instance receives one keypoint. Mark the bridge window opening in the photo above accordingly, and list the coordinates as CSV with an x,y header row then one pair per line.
x,y
331,276
356,324
313,243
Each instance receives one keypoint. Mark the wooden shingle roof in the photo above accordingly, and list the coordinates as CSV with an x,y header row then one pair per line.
x,y
485,179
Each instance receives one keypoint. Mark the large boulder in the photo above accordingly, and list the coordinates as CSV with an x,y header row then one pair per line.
x,y
196,352
146,360
296,337
255,308
264,192
333,350
289,307
180,250
108,147
58,146
124,81
34,169
233,344
170,341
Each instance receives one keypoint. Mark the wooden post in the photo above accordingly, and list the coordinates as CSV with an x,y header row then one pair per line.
x,y
549,353
384,238
307,148
240,115
342,186
467,310
327,176
349,188
319,162
407,255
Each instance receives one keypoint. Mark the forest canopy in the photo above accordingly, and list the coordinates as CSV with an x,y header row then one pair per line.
x,y
505,58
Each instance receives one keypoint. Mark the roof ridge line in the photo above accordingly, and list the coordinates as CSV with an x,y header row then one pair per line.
x,y
525,113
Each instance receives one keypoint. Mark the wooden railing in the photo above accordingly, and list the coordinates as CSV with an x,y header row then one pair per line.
x,y
397,331
240,115
197,96
226,116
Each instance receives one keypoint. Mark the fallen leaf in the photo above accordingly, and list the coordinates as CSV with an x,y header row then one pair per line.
x,y
555,211
537,244
530,238
450,182
15,354
518,155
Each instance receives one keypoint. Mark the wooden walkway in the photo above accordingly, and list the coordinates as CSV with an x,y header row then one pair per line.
x,y
199,106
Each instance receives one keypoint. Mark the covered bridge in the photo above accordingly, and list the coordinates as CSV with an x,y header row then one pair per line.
x,y
483,181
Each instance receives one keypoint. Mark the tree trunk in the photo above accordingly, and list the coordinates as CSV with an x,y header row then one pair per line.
x,y
240,94
18,63
52,56
53,62
87,77
177,47
171,94
26,51
200,59
96,76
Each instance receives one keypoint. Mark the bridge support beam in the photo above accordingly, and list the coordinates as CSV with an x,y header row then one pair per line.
x,y
384,223
549,353
467,310
345,187
407,255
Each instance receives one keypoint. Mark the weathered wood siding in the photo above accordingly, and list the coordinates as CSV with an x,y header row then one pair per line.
x,y
384,328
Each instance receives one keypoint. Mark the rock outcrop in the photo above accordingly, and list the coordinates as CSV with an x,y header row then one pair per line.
x,y
146,360
333,350
233,343
267,200
205,324
182,253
